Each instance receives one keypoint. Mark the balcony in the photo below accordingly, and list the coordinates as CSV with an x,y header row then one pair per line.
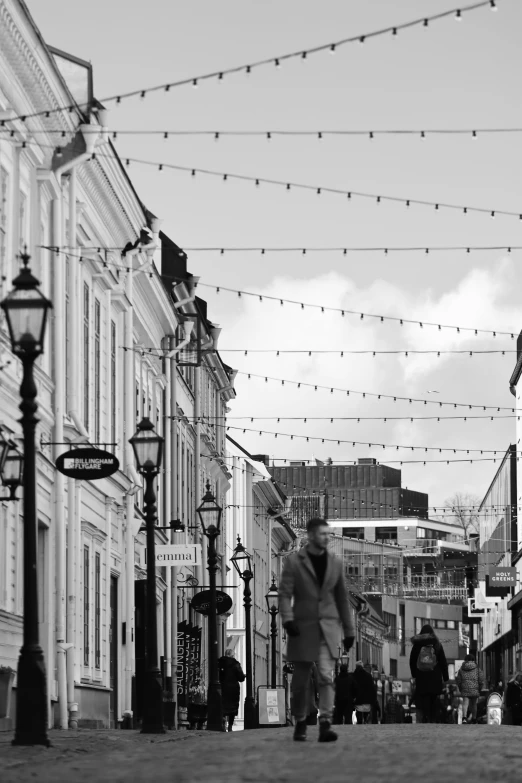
x,y
423,547
425,589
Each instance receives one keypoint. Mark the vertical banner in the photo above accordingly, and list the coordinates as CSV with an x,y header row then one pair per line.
x,y
181,668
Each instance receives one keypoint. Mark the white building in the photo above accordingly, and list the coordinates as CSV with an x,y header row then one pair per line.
x,y
62,185
257,510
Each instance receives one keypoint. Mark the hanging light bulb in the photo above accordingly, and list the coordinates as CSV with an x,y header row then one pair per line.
x,y
332,49
195,83
493,5
458,15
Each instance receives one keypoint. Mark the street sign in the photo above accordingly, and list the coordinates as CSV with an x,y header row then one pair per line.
x,y
201,602
474,610
87,464
178,554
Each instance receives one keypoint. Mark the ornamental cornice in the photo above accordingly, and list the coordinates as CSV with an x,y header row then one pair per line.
x,y
109,207
38,91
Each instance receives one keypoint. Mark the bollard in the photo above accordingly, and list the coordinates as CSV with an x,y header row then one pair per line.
x,y
494,709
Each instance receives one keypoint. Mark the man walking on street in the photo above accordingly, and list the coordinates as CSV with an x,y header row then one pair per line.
x,y
313,602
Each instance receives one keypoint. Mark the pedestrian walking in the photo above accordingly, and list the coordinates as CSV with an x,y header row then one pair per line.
x,y
230,675
314,605
344,696
376,710
365,694
471,682
429,669
513,699
393,712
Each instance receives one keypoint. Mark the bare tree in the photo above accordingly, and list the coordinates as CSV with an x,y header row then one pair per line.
x,y
462,509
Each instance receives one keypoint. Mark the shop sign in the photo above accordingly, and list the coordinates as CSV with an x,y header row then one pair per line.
x,y
201,602
502,576
474,610
87,464
178,554
495,709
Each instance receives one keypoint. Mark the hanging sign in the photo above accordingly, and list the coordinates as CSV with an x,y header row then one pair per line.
x,y
87,464
201,602
502,576
178,554
474,610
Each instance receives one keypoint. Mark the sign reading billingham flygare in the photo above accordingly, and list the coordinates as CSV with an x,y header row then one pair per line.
x,y
87,464
178,554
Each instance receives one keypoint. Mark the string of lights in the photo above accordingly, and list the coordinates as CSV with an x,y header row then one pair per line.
x,y
354,443
270,134
339,353
302,305
304,250
394,397
211,420
321,189
247,68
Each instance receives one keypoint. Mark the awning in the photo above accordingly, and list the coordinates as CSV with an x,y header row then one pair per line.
x,y
517,599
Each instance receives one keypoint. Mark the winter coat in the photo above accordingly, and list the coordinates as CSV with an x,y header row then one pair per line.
x,y
344,688
230,675
316,610
431,682
365,690
393,712
513,702
470,679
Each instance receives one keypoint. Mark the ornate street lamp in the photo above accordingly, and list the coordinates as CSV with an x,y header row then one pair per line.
x,y
209,513
26,310
242,561
11,469
148,450
272,602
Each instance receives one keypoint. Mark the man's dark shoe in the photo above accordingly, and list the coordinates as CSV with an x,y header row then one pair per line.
x,y
325,732
300,731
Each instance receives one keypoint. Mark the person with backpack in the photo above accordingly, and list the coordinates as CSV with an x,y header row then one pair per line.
x,y
429,669
471,682
365,694
344,696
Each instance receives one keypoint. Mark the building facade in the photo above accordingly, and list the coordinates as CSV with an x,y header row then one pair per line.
x,y
122,343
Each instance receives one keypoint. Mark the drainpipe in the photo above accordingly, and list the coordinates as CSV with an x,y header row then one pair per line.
x,y
174,537
167,511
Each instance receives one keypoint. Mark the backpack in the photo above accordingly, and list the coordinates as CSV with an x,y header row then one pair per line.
x,y
427,659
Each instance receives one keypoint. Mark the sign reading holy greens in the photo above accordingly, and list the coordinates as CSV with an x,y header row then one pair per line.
x,y
502,576
87,464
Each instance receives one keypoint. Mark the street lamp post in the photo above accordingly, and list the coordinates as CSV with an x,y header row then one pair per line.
x,y
272,601
243,564
209,513
26,309
148,450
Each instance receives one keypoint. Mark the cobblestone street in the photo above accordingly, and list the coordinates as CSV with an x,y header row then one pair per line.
x,y
369,754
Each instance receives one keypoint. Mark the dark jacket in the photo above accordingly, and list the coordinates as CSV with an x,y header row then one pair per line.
x,y
513,702
230,675
344,688
365,690
470,679
428,682
393,712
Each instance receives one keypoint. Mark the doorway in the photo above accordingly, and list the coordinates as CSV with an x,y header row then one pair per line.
x,y
113,652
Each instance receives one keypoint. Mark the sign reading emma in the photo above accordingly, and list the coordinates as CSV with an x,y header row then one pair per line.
x,y
502,576
87,464
178,554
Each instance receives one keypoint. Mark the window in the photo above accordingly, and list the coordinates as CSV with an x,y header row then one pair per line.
x,y
23,221
393,667
113,382
97,362
451,625
402,628
384,534
97,610
86,342
4,192
391,622
86,606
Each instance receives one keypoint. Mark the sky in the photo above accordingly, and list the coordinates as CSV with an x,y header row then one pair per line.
x,y
450,75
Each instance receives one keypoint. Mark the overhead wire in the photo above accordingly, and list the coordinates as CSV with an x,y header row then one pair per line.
x,y
247,68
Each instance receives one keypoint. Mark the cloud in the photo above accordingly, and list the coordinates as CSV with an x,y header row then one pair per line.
x,y
479,300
